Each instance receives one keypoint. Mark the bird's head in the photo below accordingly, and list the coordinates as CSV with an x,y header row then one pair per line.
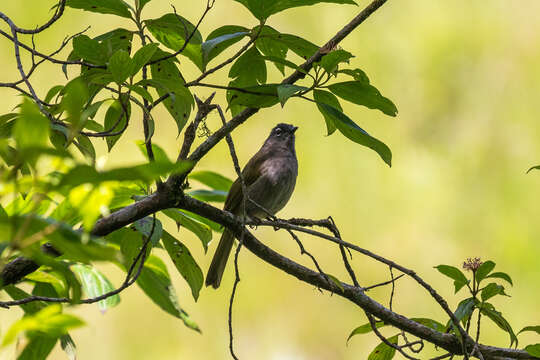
x,y
282,135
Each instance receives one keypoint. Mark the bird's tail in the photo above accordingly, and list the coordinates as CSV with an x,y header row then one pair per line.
x,y
217,267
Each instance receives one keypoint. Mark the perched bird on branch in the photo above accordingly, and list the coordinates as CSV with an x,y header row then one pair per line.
x,y
269,178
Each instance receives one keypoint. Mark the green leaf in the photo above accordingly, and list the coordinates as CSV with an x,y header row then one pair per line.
x,y
145,225
84,174
142,56
326,97
159,153
285,91
364,329
212,225
68,345
465,309
209,195
535,329
501,275
38,348
120,66
49,320
269,46
533,350
212,179
116,120
114,7
430,323
534,168
17,294
184,262
330,61
336,281
86,147
483,270
496,316
172,31
142,92
203,231
48,278
31,127
357,74
154,280
250,68
383,351
117,39
492,290
141,3
279,61
220,39
52,93
168,80
301,47
355,133
95,284
262,9
454,273
90,50
361,93
259,96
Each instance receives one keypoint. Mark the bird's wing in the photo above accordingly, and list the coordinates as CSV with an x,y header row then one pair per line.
x,y
251,172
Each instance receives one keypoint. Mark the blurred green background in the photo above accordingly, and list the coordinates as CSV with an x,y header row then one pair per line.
x,y
465,76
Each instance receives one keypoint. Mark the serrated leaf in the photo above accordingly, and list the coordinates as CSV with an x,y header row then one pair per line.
x,y
364,94
184,262
203,231
212,179
154,280
172,30
483,270
114,7
326,97
95,284
120,66
262,9
355,133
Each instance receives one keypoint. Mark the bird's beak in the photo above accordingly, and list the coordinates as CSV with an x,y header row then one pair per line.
x,y
294,129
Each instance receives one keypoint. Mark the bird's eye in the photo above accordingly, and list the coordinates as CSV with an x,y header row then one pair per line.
x,y
278,132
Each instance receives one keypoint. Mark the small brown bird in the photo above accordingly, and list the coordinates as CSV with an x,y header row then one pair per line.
x,y
270,177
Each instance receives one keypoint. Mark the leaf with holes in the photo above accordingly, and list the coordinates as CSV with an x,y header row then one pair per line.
x,y
173,30
184,262
114,7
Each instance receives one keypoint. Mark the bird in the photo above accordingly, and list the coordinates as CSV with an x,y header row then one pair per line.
x,y
269,177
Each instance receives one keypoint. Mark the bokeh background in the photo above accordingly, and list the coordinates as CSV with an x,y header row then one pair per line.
x,y
465,76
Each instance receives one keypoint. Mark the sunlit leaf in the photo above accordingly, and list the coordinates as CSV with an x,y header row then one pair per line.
x,y
533,350
383,351
142,56
120,66
212,179
95,284
220,39
330,61
364,329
